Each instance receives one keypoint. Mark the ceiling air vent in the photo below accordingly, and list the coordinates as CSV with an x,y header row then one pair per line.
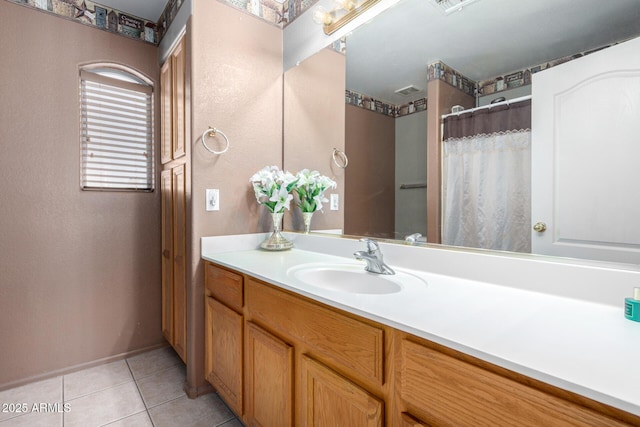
x,y
406,91
450,6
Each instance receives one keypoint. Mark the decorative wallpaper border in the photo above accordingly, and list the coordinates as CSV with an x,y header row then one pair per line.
x,y
272,11
295,8
523,77
167,16
99,16
368,103
441,71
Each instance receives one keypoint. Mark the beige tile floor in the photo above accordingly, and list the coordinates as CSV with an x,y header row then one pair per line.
x,y
142,391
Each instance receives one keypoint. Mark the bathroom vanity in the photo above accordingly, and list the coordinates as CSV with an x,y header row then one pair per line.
x,y
435,350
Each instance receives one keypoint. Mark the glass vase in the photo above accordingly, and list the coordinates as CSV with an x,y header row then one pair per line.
x,y
276,241
306,217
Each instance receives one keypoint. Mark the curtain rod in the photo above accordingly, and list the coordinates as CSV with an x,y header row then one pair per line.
x,y
489,106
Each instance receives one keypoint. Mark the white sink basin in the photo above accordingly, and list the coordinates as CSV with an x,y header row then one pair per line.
x,y
352,278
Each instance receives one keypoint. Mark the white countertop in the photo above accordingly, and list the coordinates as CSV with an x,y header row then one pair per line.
x,y
576,344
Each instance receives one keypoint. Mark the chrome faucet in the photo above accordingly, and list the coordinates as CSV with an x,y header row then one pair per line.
x,y
412,238
373,257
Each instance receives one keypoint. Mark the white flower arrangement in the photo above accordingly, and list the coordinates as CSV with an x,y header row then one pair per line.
x,y
310,187
273,187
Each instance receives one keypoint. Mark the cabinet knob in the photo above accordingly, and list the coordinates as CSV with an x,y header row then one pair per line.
x,y
540,227
166,253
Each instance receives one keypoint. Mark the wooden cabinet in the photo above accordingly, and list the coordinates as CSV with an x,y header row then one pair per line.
x,y
339,359
223,352
224,325
225,286
179,262
173,189
446,391
174,287
166,201
268,379
349,344
166,111
173,104
300,357
280,359
329,399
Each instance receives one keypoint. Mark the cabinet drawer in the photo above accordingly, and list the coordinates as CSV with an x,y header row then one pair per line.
x,y
355,345
448,391
225,286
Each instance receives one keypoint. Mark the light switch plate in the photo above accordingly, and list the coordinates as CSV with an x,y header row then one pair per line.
x,y
335,202
213,199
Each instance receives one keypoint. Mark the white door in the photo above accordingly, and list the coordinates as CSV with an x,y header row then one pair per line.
x,y
585,155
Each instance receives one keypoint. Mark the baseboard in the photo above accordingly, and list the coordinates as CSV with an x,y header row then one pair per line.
x,y
80,367
195,392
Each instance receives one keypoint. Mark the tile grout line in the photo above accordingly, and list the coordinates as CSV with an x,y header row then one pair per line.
x,y
144,402
63,402
123,418
234,416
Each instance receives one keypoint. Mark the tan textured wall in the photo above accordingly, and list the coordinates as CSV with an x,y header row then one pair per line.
x,y
79,271
441,96
236,74
314,119
370,176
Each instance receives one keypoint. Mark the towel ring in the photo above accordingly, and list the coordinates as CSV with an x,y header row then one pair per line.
x,y
211,132
340,155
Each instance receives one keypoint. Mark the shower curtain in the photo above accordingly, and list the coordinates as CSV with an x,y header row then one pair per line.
x,y
486,182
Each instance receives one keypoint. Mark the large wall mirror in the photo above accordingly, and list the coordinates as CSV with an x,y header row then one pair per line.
x,y
496,44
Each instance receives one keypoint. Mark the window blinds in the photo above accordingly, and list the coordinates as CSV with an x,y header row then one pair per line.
x,y
116,134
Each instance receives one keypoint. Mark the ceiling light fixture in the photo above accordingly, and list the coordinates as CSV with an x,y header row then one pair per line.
x,y
406,91
343,12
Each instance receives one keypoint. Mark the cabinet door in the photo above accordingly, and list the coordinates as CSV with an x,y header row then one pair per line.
x,y
179,60
329,399
166,101
268,380
223,352
166,197
179,263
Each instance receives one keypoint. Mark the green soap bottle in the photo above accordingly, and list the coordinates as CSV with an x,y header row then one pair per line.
x,y
632,306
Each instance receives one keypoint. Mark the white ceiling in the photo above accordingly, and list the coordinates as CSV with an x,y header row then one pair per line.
x,y
147,9
486,39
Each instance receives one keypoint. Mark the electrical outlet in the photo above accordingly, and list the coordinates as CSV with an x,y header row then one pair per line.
x,y
335,202
213,199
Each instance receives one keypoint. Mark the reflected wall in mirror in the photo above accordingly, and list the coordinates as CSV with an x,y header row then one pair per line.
x,y
496,45
314,125
385,189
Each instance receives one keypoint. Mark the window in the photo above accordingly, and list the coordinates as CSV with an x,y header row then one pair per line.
x,y
116,130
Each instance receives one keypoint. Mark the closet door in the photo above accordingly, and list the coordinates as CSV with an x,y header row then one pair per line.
x,y
585,151
179,262
178,57
166,197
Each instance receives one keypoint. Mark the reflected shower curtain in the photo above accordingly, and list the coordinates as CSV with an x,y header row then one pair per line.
x,y
487,178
